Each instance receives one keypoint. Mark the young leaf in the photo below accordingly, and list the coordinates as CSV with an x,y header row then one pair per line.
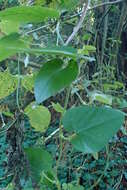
x,y
9,45
27,14
39,116
93,127
100,97
40,160
53,77
58,108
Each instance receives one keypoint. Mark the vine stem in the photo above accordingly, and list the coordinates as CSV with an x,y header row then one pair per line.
x,y
78,26
61,134
101,176
19,80
70,38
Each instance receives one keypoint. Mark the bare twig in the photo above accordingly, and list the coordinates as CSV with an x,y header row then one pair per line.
x,y
106,3
76,28
95,7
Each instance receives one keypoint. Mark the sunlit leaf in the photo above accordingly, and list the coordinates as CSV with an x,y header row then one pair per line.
x,y
100,97
39,116
8,27
27,14
57,107
8,84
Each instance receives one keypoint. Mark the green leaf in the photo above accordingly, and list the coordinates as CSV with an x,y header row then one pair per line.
x,y
64,4
58,108
100,97
64,51
53,78
8,27
86,49
93,127
28,82
8,84
89,48
39,116
27,14
40,160
70,186
8,114
9,45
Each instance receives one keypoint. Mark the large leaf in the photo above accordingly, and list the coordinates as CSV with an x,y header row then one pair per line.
x,y
8,84
93,127
65,51
9,45
39,116
40,160
53,77
13,43
26,14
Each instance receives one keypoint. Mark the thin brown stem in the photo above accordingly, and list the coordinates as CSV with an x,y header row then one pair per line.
x,y
78,26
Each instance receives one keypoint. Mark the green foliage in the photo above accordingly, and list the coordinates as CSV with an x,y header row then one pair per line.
x,y
28,82
62,51
8,26
87,128
39,116
51,78
90,124
87,49
8,84
58,108
40,161
64,5
100,97
25,14
9,45
70,186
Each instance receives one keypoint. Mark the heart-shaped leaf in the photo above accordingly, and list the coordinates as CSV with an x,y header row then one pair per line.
x,y
93,127
53,77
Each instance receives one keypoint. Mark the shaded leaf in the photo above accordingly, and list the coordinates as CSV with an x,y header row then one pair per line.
x,y
93,127
40,160
9,45
53,77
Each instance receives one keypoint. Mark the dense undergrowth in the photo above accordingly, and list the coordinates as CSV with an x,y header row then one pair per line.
x,y
55,139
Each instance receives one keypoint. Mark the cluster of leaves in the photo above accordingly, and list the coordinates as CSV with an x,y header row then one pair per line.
x,y
85,130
